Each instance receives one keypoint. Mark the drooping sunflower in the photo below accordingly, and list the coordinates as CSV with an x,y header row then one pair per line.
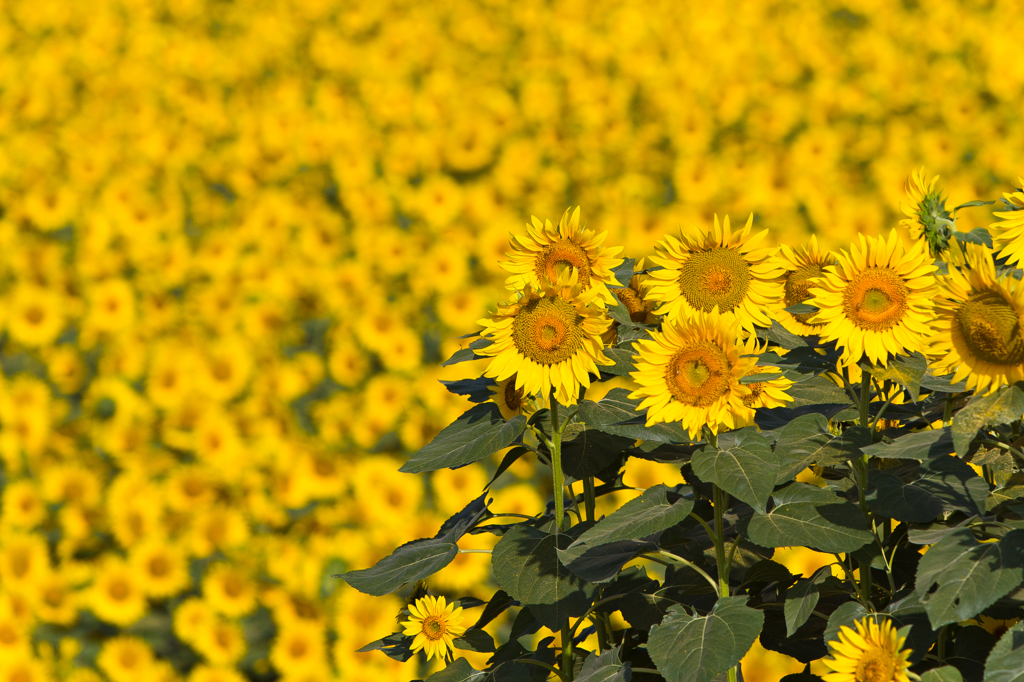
x,y
770,392
876,301
549,338
978,322
434,624
631,296
717,268
803,266
927,218
511,400
1008,233
546,251
872,653
690,373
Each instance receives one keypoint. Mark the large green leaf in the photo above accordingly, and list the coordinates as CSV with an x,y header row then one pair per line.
x,y
697,649
959,577
823,526
846,614
657,509
590,452
953,483
607,667
1006,661
467,354
905,370
617,414
1000,407
477,434
410,562
946,673
807,439
526,566
458,670
623,359
743,465
920,445
889,496
602,563
781,336
801,599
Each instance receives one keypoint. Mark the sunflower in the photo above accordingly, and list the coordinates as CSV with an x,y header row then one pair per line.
x,y
690,372
542,255
874,653
771,392
550,338
978,323
877,299
640,311
717,268
927,218
511,400
1009,231
802,267
434,624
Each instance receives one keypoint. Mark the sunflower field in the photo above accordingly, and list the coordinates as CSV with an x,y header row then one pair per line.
x,y
288,369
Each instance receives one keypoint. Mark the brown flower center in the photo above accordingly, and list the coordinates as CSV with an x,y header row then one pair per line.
x,y
560,256
798,283
513,395
698,374
717,277
876,299
433,628
548,331
991,329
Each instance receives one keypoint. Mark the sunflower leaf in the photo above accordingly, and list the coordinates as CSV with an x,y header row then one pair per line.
x,y
467,354
959,577
616,414
623,359
946,673
823,526
624,272
620,314
954,484
697,649
1001,407
978,235
802,309
459,671
905,370
743,465
920,445
801,599
808,439
411,562
658,508
607,667
889,496
844,615
1006,660
478,433
526,566
477,390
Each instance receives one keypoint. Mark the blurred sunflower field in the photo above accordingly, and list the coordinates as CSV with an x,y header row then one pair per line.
x,y
238,239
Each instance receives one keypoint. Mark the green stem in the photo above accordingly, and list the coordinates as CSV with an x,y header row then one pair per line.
x,y
861,468
566,652
865,396
947,410
680,560
558,482
589,498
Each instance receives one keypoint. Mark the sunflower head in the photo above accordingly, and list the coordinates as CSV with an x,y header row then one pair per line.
x,y
434,624
690,372
1008,233
872,652
768,393
547,252
877,299
717,268
927,218
803,267
511,400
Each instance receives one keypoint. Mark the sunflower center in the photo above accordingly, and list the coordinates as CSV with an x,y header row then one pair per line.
x,y
698,374
633,302
755,391
991,329
797,287
433,628
876,665
548,331
563,255
717,277
876,299
513,396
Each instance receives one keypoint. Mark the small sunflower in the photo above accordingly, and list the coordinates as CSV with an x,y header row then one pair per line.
x,y
1009,231
547,251
876,301
927,218
771,392
978,322
872,653
632,297
511,400
549,338
803,267
690,372
717,268
434,624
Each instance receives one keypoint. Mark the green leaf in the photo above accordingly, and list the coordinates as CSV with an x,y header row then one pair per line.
x,y
801,599
802,309
844,615
623,359
942,384
477,390
620,314
959,577
817,391
743,465
946,673
807,439
603,563
526,565
396,646
477,434
781,336
467,354
477,640
607,667
697,649
656,509
889,496
920,445
616,414
826,527
976,202
590,452
805,360
624,272
954,483
905,370
458,670
997,497
978,235
1001,407
411,562
1006,661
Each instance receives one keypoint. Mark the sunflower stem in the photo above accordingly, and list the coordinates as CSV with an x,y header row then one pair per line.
x,y
947,410
566,652
861,467
558,478
589,498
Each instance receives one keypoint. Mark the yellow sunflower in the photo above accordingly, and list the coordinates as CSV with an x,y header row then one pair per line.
x,y
771,392
717,268
511,400
546,251
640,311
876,301
549,338
1008,233
434,624
978,323
926,216
874,653
690,372
803,266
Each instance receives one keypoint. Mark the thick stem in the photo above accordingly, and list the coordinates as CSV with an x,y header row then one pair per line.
x,y
947,410
566,652
589,498
861,469
865,397
720,502
558,478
